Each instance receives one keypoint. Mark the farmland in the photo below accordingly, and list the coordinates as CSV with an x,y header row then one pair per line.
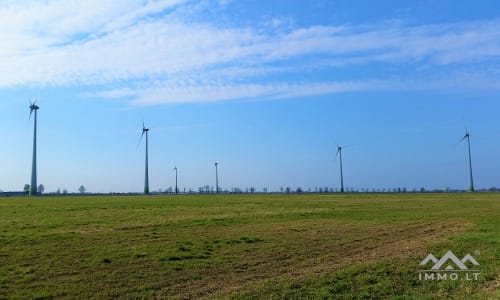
x,y
245,246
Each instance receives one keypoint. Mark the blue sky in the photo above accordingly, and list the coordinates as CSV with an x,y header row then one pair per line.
x,y
266,88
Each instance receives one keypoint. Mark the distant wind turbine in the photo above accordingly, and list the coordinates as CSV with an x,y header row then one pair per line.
x,y
471,180
339,154
33,186
216,178
176,189
146,173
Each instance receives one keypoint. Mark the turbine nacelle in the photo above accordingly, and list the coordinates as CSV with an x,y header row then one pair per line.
x,y
339,150
144,130
33,107
466,136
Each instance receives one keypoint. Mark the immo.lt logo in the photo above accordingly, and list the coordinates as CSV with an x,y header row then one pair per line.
x,y
449,267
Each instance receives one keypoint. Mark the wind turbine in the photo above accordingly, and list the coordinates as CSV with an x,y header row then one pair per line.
x,y
216,178
146,173
471,180
339,154
176,189
33,186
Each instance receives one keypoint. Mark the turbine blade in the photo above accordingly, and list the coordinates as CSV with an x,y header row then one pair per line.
x,y
140,139
460,140
31,108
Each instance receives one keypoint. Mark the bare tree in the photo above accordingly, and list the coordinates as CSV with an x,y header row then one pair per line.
x,y
82,189
41,188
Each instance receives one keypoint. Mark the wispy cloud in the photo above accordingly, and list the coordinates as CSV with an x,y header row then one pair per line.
x,y
155,53
168,93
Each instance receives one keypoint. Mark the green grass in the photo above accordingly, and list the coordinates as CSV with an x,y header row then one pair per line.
x,y
353,246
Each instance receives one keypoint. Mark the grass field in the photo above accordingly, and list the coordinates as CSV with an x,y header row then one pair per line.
x,y
245,247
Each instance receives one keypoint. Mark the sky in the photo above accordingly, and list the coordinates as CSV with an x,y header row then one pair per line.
x,y
266,88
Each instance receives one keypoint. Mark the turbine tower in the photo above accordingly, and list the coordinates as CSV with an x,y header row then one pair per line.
x,y
176,189
33,186
339,154
471,180
146,173
216,178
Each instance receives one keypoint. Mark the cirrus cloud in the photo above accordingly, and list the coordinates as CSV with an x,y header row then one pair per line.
x,y
143,50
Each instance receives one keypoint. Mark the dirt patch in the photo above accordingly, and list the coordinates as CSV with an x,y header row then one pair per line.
x,y
492,288
295,250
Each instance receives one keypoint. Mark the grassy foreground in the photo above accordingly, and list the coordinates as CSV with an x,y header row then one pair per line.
x,y
353,246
